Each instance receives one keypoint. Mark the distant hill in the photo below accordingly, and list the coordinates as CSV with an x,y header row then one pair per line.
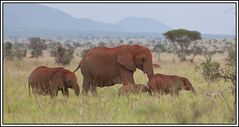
x,y
34,16
137,24
38,20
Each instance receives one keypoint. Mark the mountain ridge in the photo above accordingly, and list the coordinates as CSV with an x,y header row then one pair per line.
x,y
41,20
43,17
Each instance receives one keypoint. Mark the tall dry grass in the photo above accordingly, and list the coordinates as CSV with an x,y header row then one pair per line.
x,y
206,107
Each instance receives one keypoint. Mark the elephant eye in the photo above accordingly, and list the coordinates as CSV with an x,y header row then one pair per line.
x,y
143,59
69,81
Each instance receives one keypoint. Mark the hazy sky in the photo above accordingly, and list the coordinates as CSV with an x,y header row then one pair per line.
x,y
213,18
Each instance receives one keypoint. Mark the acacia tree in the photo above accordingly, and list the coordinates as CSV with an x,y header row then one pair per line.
x,y
181,39
158,48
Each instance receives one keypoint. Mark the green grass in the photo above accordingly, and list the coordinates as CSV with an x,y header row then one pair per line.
x,y
108,107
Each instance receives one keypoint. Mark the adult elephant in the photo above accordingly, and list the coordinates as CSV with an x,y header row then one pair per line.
x,y
102,66
48,81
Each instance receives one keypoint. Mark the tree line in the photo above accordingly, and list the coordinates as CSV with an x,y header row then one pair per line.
x,y
180,42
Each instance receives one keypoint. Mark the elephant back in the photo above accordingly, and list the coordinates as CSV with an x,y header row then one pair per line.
x,y
42,75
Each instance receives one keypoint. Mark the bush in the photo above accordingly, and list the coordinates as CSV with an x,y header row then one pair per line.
x,y
52,46
76,44
62,54
19,53
37,45
229,71
101,44
16,50
159,48
209,70
8,50
212,71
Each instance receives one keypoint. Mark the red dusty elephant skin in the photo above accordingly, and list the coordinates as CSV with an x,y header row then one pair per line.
x,y
134,88
48,81
103,66
160,83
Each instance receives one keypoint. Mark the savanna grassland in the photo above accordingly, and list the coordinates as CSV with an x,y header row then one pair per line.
x,y
206,107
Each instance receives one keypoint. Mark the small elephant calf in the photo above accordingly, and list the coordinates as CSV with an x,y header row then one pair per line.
x,y
132,88
48,81
160,84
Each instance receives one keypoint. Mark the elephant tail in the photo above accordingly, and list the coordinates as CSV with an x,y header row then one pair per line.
x,y
77,67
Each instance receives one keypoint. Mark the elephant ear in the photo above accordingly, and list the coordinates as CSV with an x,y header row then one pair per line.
x,y
187,83
57,78
125,58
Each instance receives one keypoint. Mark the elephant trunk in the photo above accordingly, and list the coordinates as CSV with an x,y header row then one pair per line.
x,y
193,90
148,69
77,89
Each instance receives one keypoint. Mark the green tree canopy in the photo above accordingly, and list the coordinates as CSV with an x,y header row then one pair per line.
x,y
181,39
182,35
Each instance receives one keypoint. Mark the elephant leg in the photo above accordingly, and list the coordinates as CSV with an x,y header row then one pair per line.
x,y
35,91
53,92
86,86
154,90
126,77
93,91
172,94
93,88
65,92
150,92
176,92
161,92
41,91
156,93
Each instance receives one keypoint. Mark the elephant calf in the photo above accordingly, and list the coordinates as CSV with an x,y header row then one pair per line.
x,y
160,83
132,88
48,81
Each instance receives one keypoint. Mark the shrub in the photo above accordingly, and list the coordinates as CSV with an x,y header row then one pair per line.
x,y
37,45
209,70
19,53
101,44
8,50
62,54
16,50
229,71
